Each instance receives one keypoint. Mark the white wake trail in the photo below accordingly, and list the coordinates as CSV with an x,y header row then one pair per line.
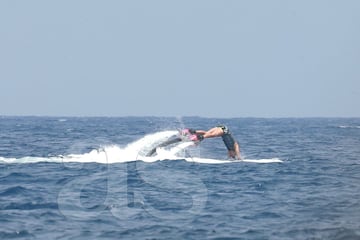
x,y
135,151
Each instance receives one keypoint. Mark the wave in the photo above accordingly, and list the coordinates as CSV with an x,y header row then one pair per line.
x,y
135,151
349,126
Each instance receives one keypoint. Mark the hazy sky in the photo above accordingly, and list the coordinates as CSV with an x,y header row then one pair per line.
x,y
224,58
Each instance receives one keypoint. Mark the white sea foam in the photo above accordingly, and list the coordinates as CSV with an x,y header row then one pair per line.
x,y
349,126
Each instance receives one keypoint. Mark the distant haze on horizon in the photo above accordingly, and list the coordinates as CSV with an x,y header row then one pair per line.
x,y
202,58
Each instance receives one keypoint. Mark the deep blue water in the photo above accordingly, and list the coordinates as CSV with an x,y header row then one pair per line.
x,y
313,194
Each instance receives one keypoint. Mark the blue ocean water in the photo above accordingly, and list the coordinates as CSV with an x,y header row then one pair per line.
x,y
81,178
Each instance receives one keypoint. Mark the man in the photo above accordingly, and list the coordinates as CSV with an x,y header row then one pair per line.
x,y
221,131
197,136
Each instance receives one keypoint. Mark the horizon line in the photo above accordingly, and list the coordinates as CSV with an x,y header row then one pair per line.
x,y
165,116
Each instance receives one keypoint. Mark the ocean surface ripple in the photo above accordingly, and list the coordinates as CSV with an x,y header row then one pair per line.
x,y
81,178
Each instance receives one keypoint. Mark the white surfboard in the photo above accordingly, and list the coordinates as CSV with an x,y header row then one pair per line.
x,y
219,161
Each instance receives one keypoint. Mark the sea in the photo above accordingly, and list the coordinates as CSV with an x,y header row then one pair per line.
x,y
89,178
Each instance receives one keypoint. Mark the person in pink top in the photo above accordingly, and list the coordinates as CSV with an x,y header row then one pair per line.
x,y
222,131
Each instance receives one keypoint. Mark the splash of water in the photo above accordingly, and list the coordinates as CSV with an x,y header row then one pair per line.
x,y
132,152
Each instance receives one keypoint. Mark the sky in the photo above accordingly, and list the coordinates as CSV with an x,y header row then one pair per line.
x,y
224,58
